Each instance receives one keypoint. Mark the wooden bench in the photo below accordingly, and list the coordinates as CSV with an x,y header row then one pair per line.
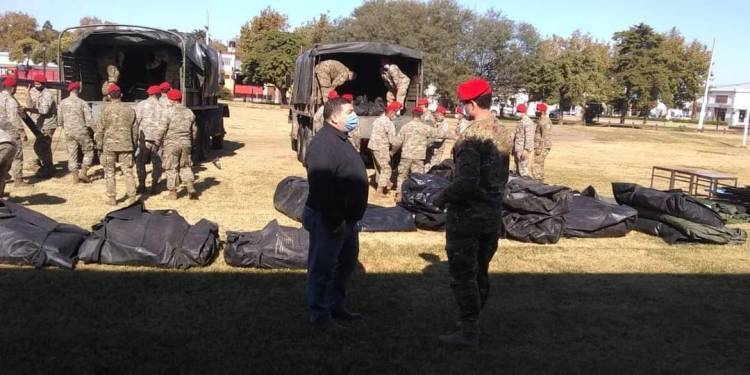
x,y
700,182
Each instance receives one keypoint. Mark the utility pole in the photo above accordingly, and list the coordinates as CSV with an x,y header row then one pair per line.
x,y
207,23
705,93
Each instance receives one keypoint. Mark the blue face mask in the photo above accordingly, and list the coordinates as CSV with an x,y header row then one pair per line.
x,y
352,122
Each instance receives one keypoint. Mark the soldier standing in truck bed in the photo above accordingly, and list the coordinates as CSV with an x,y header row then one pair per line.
x,y
395,81
75,118
331,74
176,132
113,76
11,123
116,137
41,104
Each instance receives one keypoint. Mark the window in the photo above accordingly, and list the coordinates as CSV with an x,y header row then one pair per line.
x,y
721,99
743,113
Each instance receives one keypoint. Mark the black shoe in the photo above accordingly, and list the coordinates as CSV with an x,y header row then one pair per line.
x,y
329,326
346,316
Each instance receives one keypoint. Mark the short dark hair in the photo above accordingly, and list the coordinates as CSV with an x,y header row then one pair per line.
x,y
332,107
484,101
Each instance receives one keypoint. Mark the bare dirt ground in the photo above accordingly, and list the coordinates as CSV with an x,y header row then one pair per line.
x,y
625,305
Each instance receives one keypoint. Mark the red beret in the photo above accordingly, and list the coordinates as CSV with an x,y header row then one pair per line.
x,y
348,97
153,90
417,110
440,109
521,108
393,106
74,86
541,107
422,101
174,95
9,82
473,89
459,109
165,86
333,94
112,88
40,77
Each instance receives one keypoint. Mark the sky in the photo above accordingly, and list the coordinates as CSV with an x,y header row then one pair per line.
x,y
724,20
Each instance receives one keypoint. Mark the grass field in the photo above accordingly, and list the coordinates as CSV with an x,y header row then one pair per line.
x,y
626,305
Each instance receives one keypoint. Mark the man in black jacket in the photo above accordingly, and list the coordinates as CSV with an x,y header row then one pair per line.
x,y
336,202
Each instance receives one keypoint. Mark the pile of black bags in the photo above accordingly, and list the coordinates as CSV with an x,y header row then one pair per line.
x,y
364,107
418,195
275,246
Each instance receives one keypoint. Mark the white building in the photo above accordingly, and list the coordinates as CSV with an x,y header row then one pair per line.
x,y
730,104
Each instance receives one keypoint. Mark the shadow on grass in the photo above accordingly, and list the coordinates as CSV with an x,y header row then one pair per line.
x,y
35,199
254,322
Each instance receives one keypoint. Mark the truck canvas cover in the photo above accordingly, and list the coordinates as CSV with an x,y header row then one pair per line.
x,y
305,63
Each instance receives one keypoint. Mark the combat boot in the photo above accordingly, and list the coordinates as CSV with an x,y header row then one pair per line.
x,y
467,335
45,172
73,177
141,188
154,188
84,175
111,202
172,195
191,191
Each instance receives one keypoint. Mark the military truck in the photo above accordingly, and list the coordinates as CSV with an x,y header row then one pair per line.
x,y
147,56
363,58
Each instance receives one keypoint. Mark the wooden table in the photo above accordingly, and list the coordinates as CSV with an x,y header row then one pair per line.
x,y
698,180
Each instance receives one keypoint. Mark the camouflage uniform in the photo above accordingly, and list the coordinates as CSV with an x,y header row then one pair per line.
x,y
7,154
442,149
176,131
524,145
44,113
542,146
11,123
75,118
396,82
462,125
413,140
382,137
318,119
427,117
474,210
116,135
147,114
113,75
330,74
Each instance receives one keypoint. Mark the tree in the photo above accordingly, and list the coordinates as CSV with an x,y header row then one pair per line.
x,y
268,19
271,58
199,34
641,69
15,26
24,48
688,64
218,45
318,30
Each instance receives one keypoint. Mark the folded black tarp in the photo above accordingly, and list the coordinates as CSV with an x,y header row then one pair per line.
x,y
30,238
533,211
444,169
418,195
591,217
290,197
676,216
275,246
136,236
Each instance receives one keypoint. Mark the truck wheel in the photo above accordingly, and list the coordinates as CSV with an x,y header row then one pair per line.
x,y
303,140
217,142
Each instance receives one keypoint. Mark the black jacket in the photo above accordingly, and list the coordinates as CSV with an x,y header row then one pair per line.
x,y
337,177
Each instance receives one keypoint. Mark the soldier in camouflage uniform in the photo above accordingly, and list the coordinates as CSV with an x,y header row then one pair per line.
x,y
41,104
164,87
413,139
147,113
542,142
11,123
331,74
463,123
427,116
441,150
113,75
474,207
396,82
383,136
176,132
75,118
7,154
116,137
523,148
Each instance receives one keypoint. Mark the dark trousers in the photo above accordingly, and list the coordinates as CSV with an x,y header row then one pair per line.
x,y
331,261
469,257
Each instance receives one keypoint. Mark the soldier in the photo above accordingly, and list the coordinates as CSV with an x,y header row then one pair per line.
x,y
427,116
396,82
474,207
41,104
318,119
113,76
147,113
523,149
348,97
383,136
413,140
75,118
164,87
331,74
116,137
7,154
11,123
463,123
542,142
176,132
441,150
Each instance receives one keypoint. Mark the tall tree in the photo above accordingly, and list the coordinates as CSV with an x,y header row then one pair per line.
x,y
688,63
640,68
319,30
269,19
15,26
271,58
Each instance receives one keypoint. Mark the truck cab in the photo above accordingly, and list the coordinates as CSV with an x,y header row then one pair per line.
x,y
364,59
147,56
